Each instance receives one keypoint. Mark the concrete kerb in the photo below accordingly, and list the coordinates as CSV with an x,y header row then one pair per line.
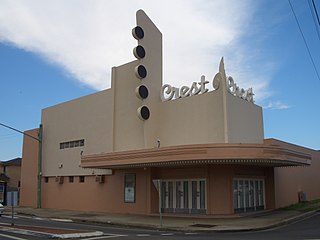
x,y
281,223
193,229
189,228
51,235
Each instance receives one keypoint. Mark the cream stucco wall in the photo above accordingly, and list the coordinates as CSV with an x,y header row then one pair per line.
x,y
191,120
89,118
128,128
244,121
130,132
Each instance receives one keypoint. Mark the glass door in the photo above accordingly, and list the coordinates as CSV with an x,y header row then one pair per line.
x,y
184,196
248,195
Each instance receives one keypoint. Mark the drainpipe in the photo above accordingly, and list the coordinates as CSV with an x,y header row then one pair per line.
x,y
39,166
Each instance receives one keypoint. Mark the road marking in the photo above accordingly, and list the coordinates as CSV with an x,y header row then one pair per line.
x,y
7,216
104,237
166,234
60,220
143,235
12,237
5,224
191,233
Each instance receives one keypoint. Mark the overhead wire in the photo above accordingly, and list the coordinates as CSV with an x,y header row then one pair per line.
x,y
316,11
304,39
315,16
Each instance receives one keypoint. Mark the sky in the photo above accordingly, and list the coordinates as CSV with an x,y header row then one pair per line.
x,y
55,51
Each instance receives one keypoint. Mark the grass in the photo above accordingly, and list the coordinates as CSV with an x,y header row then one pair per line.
x,y
305,206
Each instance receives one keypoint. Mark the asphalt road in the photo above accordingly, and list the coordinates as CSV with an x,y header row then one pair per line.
x,y
305,229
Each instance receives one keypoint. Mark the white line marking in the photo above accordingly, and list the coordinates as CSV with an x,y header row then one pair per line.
x,y
60,220
166,234
104,237
7,216
26,217
12,237
143,235
191,233
5,224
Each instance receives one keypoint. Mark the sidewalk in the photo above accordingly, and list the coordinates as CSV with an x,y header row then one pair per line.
x,y
246,222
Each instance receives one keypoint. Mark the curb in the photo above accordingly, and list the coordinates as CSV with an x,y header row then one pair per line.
x,y
275,225
186,229
183,229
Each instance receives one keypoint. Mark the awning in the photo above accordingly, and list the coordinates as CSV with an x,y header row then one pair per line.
x,y
271,153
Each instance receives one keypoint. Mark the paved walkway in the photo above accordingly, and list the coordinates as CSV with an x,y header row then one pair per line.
x,y
249,222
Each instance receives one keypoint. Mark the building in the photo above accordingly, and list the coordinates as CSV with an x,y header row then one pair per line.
x,y
9,179
141,144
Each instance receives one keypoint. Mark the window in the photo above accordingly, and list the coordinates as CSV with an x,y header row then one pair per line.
x,y
129,188
71,179
72,144
46,179
81,179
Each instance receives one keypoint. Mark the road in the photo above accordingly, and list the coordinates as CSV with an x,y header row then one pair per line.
x,y
305,229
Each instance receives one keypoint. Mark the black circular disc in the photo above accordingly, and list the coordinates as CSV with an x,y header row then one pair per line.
x,y
137,32
144,112
139,52
141,71
143,91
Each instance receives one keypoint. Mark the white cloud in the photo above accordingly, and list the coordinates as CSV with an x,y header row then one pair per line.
x,y
277,105
87,38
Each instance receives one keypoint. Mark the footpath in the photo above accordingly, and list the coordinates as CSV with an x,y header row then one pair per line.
x,y
226,223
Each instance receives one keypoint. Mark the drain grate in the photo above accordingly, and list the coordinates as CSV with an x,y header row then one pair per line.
x,y
203,225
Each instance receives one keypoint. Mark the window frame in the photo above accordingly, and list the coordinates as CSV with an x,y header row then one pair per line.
x,y
71,179
82,179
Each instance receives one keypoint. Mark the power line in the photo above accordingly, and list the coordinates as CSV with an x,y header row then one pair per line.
x,y
315,9
315,17
305,42
26,134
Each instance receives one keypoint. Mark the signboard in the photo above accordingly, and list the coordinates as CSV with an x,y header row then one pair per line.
x,y
129,188
129,194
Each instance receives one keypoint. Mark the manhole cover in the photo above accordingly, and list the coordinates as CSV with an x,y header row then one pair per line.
x,y
203,225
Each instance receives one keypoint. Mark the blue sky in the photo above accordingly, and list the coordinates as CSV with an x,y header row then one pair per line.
x,y
55,51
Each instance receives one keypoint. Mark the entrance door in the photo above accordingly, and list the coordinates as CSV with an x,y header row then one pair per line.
x,y
248,195
184,196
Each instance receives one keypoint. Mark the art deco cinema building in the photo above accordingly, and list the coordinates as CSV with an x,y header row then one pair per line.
x,y
205,151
